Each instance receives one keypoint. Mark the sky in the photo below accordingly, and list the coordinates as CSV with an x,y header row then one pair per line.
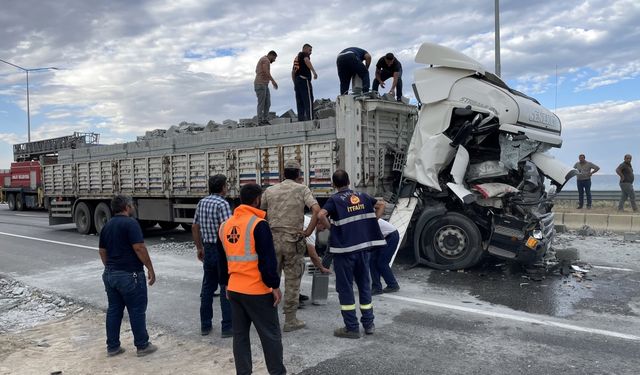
x,y
125,67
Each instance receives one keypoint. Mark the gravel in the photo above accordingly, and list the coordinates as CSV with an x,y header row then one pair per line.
x,y
23,307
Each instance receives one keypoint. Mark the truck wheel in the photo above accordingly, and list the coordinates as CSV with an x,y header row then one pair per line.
x,y
83,218
11,201
168,225
101,215
20,204
450,242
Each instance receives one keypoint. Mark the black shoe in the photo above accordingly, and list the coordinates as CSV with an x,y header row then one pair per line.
x,y
344,333
302,297
226,334
205,331
391,289
150,348
115,352
370,330
301,305
375,292
579,207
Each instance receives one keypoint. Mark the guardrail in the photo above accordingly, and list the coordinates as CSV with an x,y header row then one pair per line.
x,y
609,195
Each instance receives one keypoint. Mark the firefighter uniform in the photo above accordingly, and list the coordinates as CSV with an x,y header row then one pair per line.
x,y
354,232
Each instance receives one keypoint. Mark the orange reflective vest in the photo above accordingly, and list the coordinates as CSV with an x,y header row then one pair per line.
x,y
239,245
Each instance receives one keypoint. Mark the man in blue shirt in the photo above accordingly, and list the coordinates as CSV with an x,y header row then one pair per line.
x,y
211,211
354,232
123,254
350,63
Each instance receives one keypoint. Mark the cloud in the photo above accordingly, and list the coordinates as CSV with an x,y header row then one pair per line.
x,y
136,66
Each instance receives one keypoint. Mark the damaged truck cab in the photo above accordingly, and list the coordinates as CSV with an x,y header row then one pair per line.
x,y
477,165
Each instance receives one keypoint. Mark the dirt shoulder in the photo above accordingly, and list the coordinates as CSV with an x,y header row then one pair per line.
x,y
74,343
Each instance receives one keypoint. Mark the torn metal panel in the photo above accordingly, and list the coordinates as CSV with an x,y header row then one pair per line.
x,y
486,169
464,194
552,168
401,218
427,157
460,163
512,149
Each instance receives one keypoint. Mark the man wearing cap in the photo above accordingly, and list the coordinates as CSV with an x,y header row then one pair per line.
x,y
388,67
285,204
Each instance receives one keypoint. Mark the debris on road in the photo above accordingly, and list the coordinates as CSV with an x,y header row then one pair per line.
x,y
23,307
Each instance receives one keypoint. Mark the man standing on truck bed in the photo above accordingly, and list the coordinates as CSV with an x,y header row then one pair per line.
x,y
349,64
301,75
586,169
285,204
389,67
261,86
625,171
123,253
354,231
211,211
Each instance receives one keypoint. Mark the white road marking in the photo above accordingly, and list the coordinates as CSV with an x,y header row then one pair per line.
x,y
507,316
614,268
49,241
43,217
517,318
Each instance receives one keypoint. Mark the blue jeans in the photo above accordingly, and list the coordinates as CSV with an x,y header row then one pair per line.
x,y
584,186
126,289
349,267
210,282
379,264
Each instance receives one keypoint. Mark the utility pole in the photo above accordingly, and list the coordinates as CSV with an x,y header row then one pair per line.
x,y
497,35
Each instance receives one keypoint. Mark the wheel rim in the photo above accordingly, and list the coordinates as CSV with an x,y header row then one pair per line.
x,y
450,241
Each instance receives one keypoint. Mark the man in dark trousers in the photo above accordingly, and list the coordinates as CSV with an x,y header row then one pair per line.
x,y
248,267
625,171
301,75
380,259
354,232
123,253
389,67
211,211
350,63
586,169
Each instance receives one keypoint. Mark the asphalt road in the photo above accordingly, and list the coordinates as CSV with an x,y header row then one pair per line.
x,y
493,319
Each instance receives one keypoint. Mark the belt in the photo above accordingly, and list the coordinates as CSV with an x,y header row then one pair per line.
x,y
345,53
303,77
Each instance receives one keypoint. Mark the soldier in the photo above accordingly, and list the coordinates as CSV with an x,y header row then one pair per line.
x,y
284,204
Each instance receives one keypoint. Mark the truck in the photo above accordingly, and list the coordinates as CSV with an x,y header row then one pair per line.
x,y
463,170
21,185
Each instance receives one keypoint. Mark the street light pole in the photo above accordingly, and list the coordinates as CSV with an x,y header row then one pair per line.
x,y
27,70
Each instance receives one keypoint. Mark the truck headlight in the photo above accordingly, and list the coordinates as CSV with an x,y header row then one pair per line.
x,y
537,234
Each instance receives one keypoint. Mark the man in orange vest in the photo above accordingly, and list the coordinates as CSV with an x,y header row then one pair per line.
x,y
249,269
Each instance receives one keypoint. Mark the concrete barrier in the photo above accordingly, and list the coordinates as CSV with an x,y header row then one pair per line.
x,y
635,223
573,221
597,221
620,223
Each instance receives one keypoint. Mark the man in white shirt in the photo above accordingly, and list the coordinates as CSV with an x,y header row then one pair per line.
x,y
380,259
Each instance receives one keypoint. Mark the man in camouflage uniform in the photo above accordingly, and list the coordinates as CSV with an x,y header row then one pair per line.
x,y
285,204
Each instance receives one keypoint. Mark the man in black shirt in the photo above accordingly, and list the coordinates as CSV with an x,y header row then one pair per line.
x,y
301,76
387,67
123,254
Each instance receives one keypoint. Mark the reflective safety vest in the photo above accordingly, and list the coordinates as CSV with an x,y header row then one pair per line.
x,y
355,225
239,245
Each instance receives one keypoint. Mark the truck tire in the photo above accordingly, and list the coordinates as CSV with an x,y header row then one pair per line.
x,y
83,217
11,201
450,242
168,225
20,203
101,215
